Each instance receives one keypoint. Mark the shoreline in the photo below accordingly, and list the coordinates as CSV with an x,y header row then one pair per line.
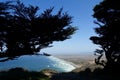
x,y
77,58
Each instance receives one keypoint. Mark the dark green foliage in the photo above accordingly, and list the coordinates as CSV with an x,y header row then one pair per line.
x,y
25,32
21,74
86,74
107,14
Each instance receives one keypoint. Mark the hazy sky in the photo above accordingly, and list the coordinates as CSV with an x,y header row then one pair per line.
x,y
82,11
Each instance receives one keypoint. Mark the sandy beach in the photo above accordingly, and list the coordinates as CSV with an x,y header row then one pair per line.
x,y
81,61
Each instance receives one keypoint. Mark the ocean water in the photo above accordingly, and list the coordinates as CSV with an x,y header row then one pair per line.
x,y
38,63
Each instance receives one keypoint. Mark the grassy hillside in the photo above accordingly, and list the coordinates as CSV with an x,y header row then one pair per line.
x,y
21,74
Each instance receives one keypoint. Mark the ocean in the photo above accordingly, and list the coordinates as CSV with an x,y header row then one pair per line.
x,y
38,63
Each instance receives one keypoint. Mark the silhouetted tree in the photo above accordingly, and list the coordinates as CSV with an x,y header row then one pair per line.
x,y
107,14
25,32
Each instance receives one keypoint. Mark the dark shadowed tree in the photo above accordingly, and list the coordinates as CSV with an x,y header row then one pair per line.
x,y
107,14
23,31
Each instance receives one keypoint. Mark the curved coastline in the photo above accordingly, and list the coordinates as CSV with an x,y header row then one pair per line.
x,y
38,63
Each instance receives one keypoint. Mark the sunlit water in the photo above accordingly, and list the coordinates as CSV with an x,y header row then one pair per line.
x,y
38,63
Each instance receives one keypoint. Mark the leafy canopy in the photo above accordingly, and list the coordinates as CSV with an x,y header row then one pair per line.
x,y
107,14
25,32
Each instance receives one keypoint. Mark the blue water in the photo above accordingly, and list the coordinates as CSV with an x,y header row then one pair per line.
x,y
38,63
